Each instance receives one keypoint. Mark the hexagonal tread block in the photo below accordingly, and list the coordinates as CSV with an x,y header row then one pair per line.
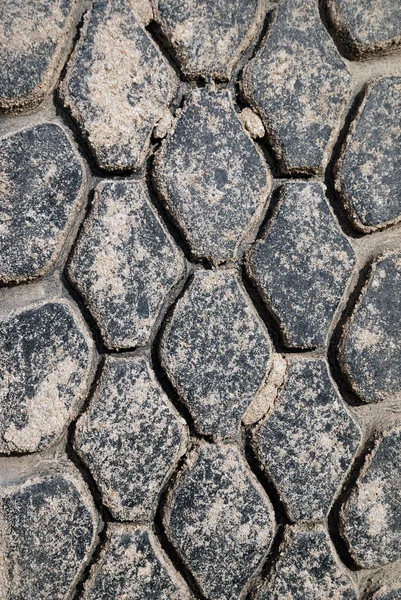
x,y
125,263
130,437
208,38
211,177
307,441
42,187
34,42
370,518
133,565
299,84
366,29
216,351
49,532
308,569
302,264
117,86
370,349
219,520
368,171
46,366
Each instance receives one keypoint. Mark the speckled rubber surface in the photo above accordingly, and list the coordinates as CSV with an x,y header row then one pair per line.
x,y
200,314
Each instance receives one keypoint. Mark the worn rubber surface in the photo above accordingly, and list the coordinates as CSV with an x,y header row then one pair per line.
x,y
200,300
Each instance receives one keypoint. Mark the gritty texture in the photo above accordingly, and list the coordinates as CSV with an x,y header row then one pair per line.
x,y
211,176
307,441
252,123
308,570
49,525
200,314
220,521
42,187
124,263
133,566
370,350
130,437
264,400
299,84
34,41
388,592
164,125
366,28
370,519
46,361
368,172
143,10
216,351
302,264
208,37
117,85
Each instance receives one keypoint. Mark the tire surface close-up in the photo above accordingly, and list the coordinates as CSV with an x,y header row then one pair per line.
x,y
200,300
